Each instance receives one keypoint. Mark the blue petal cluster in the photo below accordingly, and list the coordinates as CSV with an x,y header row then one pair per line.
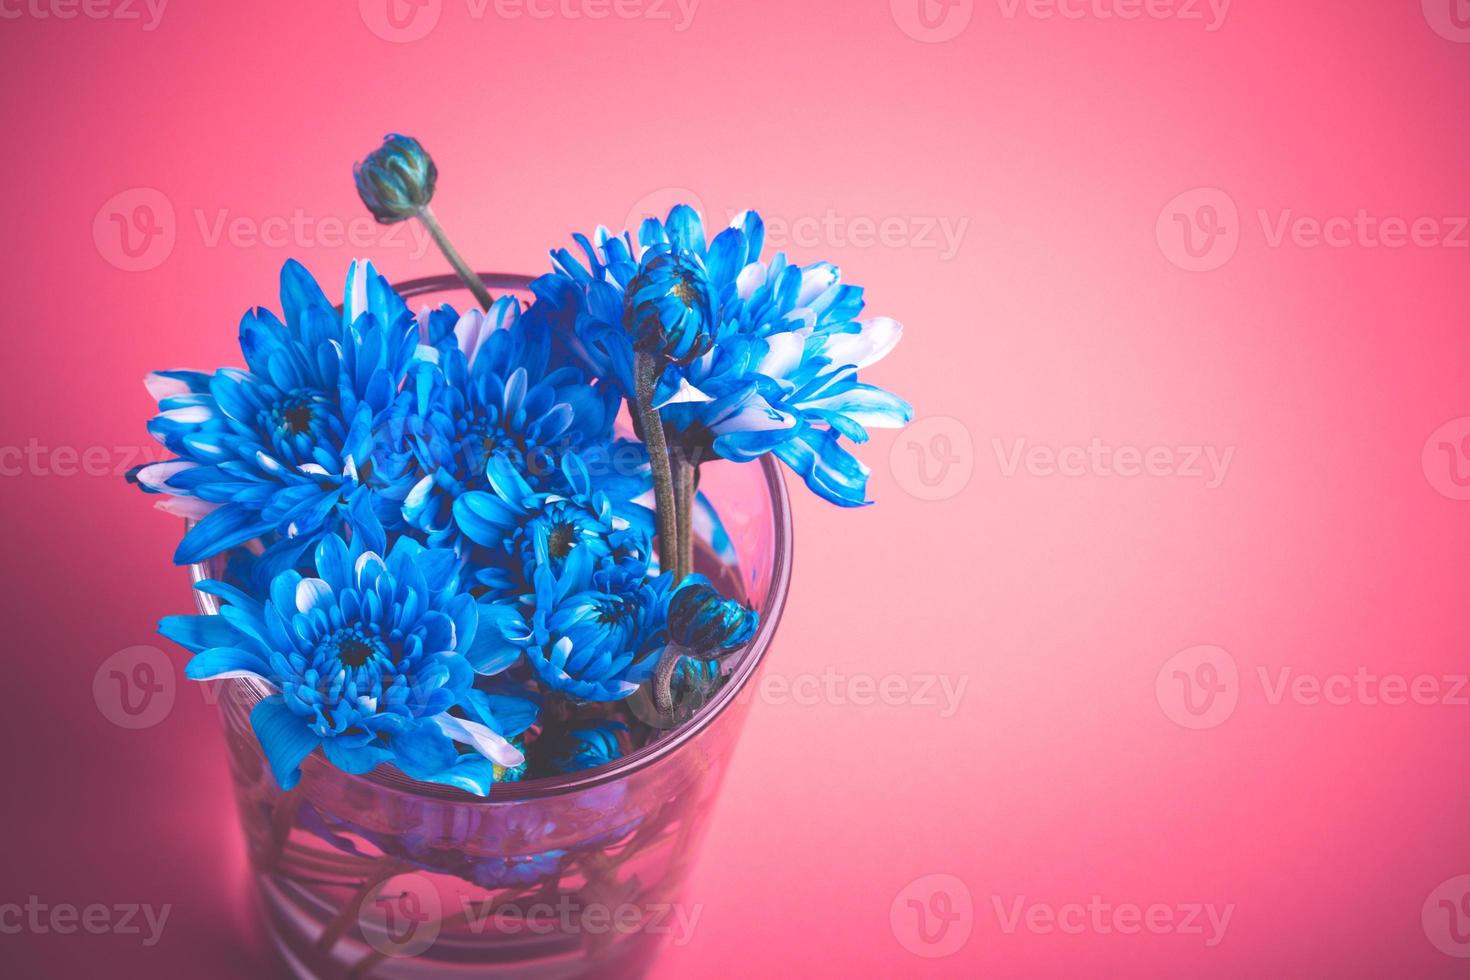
x,y
778,372
295,440
372,659
494,393
429,521
591,631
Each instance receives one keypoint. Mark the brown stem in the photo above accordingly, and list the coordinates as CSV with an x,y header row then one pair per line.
x,y
337,928
663,678
455,259
686,485
283,818
646,369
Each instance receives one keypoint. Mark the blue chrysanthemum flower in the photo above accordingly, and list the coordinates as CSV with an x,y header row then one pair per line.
x,y
296,438
373,660
705,622
781,374
494,393
575,749
522,529
591,633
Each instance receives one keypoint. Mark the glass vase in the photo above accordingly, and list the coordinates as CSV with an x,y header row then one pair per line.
x,y
381,876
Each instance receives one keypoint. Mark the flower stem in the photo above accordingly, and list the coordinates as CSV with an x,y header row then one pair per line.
x,y
652,426
686,485
455,259
663,678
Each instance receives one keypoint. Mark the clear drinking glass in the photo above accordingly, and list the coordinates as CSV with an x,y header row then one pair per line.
x,y
379,875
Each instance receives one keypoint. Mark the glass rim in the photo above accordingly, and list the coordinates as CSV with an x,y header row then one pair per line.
x,y
388,777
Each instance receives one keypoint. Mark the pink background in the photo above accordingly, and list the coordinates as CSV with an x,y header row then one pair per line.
x,y
1068,310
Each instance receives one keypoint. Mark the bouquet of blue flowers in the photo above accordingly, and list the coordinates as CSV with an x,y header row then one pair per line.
x,y
441,549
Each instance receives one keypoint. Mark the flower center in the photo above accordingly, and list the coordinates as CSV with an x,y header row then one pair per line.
x,y
685,290
294,415
562,539
298,419
352,648
611,612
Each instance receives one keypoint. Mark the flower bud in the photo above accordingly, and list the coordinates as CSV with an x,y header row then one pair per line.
x,y
396,181
706,622
576,749
667,306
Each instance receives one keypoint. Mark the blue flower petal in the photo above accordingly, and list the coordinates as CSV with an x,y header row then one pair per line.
x,y
198,633
285,738
227,662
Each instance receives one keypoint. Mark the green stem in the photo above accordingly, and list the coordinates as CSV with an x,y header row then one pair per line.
x,y
455,259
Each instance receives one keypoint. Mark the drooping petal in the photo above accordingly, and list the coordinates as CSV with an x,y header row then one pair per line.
x,y
285,738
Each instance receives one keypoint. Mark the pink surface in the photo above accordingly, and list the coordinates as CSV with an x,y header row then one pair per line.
x,y
1231,680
